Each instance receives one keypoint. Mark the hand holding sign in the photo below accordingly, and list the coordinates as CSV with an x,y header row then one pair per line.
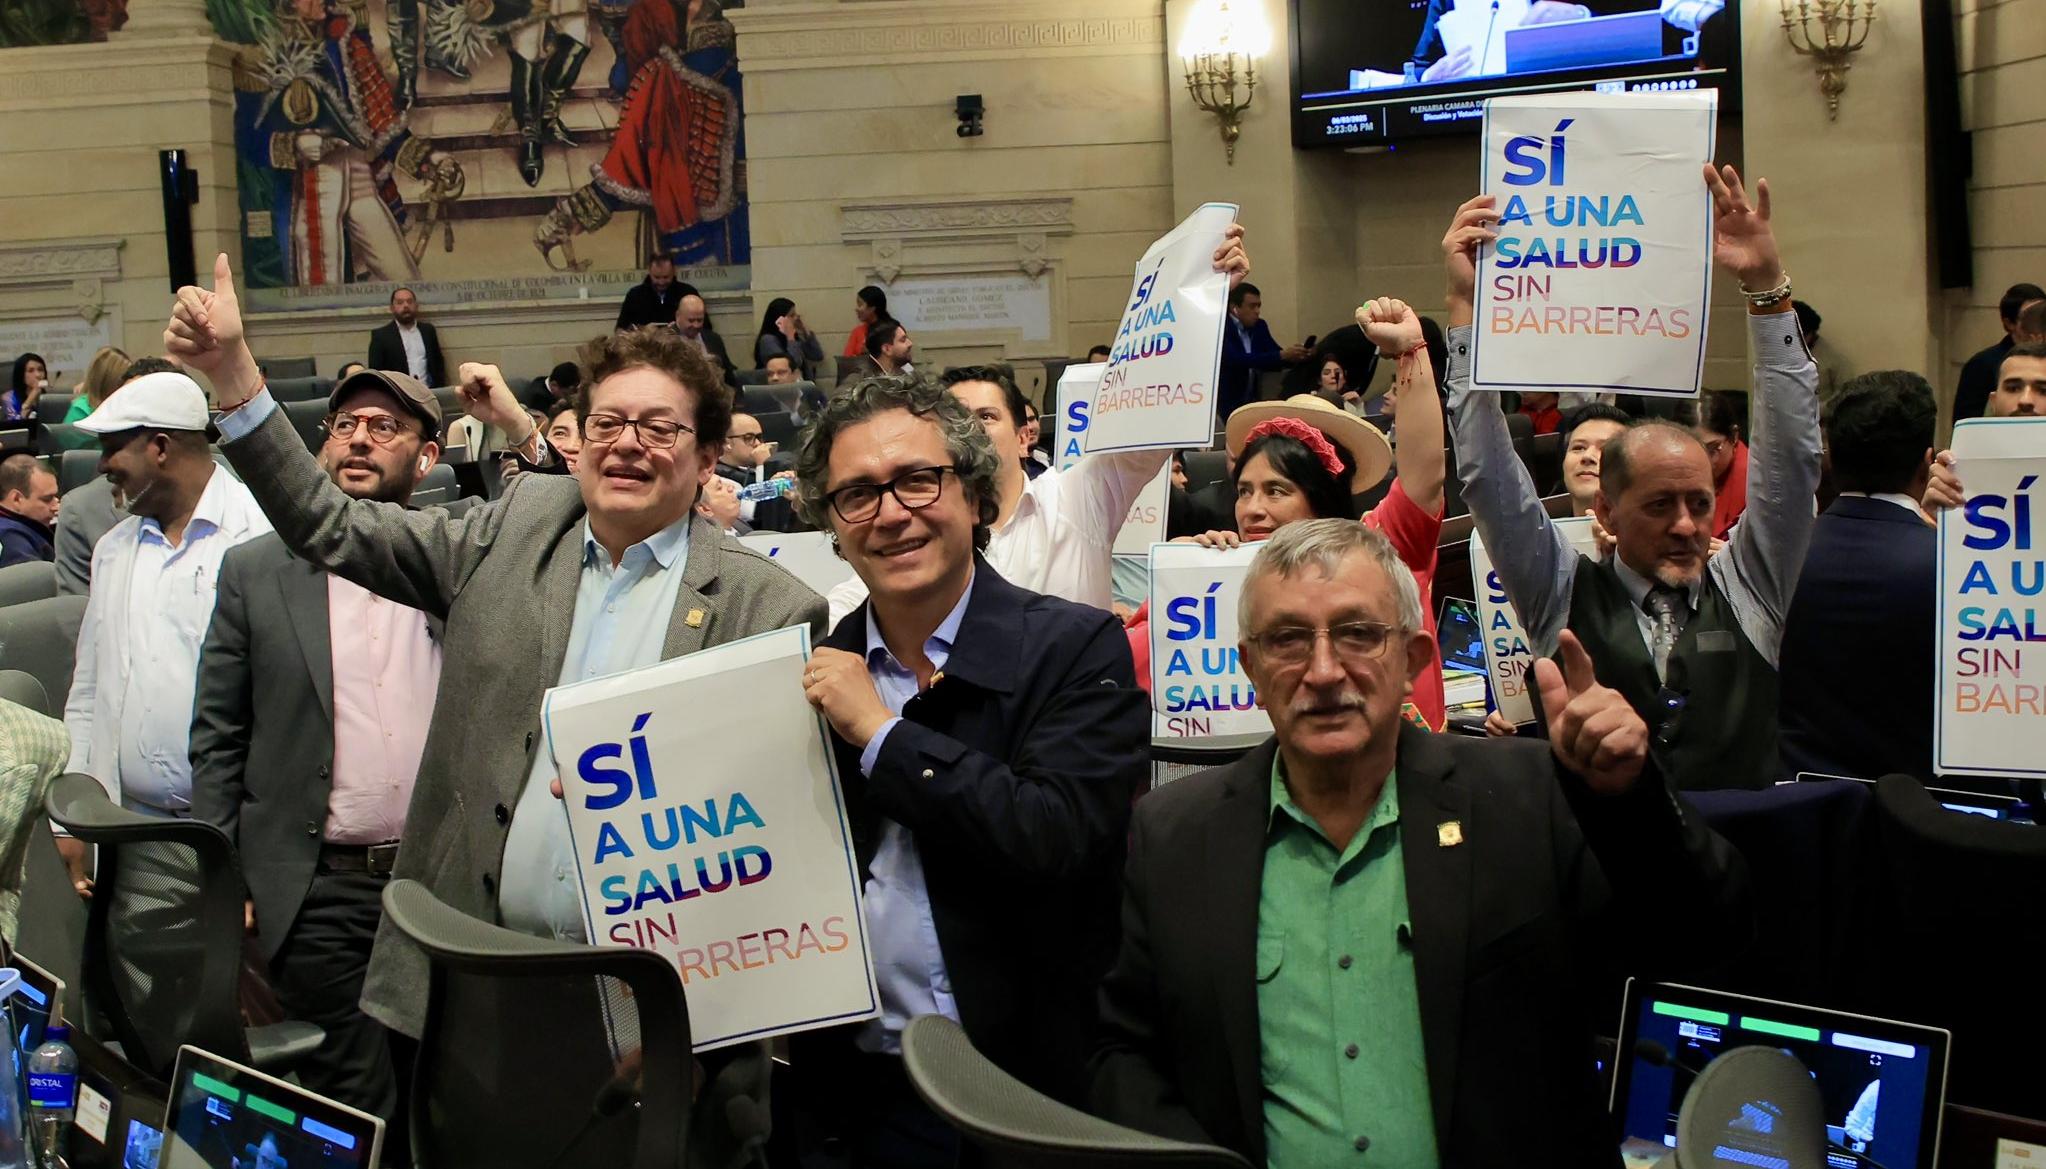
x,y
1742,239
1471,229
1592,730
1943,489
1231,257
838,685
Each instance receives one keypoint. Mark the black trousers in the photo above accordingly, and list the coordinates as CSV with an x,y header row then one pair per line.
x,y
318,974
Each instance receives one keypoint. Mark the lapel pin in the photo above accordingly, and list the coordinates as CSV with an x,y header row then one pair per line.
x,y
937,677
1449,833
694,619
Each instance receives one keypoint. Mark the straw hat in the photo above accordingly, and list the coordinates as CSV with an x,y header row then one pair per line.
x,y
1367,446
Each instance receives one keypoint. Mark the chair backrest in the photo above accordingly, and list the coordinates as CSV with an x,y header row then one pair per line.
x,y
1175,758
22,689
437,487
1545,462
516,1039
76,468
854,368
30,580
1962,888
302,389
1519,426
56,437
292,367
308,417
52,407
53,917
41,638
1015,1125
163,941
1206,468
752,377
778,426
451,408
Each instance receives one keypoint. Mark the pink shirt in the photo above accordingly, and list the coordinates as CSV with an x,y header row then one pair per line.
x,y
386,673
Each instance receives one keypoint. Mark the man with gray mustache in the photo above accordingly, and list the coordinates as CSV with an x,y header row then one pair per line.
x,y
1364,937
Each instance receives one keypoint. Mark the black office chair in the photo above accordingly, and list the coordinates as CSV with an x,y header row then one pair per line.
x,y
437,488
514,1043
289,367
302,389
757,399
308,417
41,637
52,407
752,377
1014,1125
163,942
1545,462
76,468
778,426
451,407
30,580
21,688
1963,890
54,438
1205,468
1176,758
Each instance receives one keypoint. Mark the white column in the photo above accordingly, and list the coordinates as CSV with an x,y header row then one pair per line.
x,y
166,18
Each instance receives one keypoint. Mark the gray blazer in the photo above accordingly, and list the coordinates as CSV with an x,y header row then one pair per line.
x,y
504,578
88,513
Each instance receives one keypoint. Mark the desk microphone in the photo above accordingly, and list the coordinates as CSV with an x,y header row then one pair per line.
x,y
618,1094
1485,56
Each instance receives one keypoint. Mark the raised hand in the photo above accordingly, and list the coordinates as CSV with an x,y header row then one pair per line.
x,y
1742,240
1592,730
1392,325
206,325
1471,229
487,398
1231,257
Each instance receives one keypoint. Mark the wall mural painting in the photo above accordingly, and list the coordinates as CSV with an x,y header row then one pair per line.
x,y
484,149
26,23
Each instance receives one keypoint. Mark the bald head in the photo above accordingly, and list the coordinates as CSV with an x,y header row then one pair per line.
x,y
690,315
1652,441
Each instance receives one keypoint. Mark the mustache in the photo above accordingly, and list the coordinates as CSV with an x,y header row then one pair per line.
x,y
1345,702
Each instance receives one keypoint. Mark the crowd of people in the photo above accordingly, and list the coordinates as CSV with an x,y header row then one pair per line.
x,y
1275,956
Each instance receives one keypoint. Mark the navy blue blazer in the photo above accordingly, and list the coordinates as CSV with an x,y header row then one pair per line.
x,y
1240,365
1857,663
1015,771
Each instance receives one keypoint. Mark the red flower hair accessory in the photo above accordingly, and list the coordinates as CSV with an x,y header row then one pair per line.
x,y
1314,440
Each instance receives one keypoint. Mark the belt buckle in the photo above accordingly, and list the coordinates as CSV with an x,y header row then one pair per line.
x,y
382,858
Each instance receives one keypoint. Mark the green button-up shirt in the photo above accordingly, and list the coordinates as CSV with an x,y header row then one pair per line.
x,y
1345,1075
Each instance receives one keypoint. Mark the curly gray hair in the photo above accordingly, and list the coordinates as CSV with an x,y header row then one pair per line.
x,y
966,444
1323,544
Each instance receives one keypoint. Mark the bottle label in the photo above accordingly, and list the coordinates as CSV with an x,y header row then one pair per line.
x,y
51,1089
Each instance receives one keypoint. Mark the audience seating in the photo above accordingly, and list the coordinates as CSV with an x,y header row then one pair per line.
x,y
54,438
21,688
31,580
437,487
451,407
52,407
1270,386
302,389
854,368
507,1056
163,942
1205,468
41,637
75,468
289,367
308,417
751,377
778,426
1544,463
1011,1124
1964,909
1176,758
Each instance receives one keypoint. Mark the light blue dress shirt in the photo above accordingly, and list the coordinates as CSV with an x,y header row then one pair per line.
x,y
909,968
621,622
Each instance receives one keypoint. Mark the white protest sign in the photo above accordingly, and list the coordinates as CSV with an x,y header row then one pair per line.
x,y
1145,525
1198,687
1602,271
1991,652
1159,387
808,555
713,832
1506,649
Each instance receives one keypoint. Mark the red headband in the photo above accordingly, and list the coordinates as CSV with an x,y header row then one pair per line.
x,y
1314,440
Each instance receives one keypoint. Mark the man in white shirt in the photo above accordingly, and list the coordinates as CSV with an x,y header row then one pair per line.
x,y
154,575
408,344
1056,533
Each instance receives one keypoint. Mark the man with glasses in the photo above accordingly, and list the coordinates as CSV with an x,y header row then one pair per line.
x,y
744,463
314,699
991,740
153,581
561,578
1363,938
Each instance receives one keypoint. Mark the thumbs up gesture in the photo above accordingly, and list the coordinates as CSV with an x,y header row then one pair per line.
x,y
205,334
1591,728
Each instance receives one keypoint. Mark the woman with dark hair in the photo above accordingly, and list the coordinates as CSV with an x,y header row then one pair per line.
x,y
870,304
1719,428
31,378
1304,458
783,334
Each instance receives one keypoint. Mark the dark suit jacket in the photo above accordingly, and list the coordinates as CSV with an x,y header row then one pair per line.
x,y
723,360
387,351
1240,366
1978,381
1857,661
1014,772
23,540
262,752
769,515
1504,927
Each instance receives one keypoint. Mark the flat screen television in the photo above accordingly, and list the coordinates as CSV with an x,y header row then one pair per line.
x,y
1373,72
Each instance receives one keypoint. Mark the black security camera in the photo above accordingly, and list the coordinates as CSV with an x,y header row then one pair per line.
x,y
969,108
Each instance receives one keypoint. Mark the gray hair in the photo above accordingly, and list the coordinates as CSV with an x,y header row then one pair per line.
x,y
1324,544
966,444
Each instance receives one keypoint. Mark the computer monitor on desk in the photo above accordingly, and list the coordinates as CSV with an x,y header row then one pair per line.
x,y
226,1116
119,1122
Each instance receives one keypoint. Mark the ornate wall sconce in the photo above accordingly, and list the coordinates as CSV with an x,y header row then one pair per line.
x,y
1218,52
1830,32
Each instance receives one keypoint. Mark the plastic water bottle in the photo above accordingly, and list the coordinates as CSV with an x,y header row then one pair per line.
x,y
53,1092
766,489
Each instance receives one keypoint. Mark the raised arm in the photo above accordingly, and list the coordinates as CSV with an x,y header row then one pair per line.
x,y
1418,460
1534,560
1767,549
417,558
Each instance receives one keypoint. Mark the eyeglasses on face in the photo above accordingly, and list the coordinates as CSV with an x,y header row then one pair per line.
x,y
914,490
1354,642
382,428
654,433
748,439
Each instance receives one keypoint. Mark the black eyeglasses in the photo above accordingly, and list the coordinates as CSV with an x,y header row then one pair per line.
x,y
1355,642
655,433
382,428
914,490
